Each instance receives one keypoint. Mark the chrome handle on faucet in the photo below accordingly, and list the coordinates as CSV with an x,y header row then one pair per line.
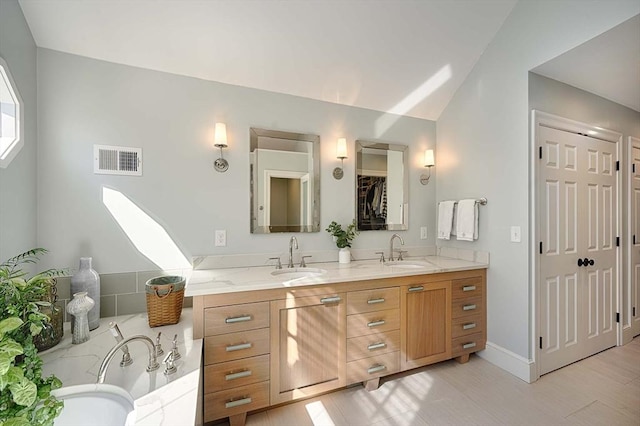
x,y
158,345
169,364
126,356
174,347
278,264
303,264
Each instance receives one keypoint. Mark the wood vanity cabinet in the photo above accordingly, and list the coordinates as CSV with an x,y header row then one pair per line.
x,y
307,346
426,316
267,347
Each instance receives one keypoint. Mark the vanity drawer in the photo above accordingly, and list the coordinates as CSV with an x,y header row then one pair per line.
x,y
373,345
375,366
467,307
373,322
234,401
466,287
467,325
233,374
467,344
373,300
229,319
243,344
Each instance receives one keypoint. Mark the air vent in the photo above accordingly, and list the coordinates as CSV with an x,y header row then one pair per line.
x,y
117,160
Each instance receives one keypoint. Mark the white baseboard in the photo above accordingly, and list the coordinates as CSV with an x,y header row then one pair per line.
x,y
520,367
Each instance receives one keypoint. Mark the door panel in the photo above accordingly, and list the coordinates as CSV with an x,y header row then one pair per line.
x,y
577,211
634,291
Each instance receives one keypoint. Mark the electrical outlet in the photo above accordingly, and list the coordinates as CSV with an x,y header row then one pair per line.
x,y
221,238
423,232
516,234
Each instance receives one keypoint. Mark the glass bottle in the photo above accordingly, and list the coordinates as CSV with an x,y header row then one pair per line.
x,y
79,307
53,330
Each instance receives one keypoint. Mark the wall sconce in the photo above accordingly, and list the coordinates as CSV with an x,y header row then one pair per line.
x,y
341,153
429,162
220,141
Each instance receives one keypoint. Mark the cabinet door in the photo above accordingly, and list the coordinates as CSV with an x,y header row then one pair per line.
x,y
426,324
308,338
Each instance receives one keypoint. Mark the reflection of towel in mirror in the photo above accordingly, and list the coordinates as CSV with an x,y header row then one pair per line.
x,y
445,219
467,220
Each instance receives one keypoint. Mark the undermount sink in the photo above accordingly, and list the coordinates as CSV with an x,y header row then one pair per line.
x,y
95,404
409,264
293,273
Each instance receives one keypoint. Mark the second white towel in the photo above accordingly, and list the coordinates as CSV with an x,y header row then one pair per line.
x,y
467,220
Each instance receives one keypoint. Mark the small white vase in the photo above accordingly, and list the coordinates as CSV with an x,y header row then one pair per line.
x,y
344,255
79,306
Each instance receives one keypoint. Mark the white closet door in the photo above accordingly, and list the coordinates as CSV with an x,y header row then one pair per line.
x,y
577,217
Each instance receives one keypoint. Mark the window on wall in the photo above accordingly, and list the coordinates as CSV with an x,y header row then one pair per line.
x,y
10,116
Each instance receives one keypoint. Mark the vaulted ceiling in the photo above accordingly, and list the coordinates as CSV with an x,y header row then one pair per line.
x,y
404,57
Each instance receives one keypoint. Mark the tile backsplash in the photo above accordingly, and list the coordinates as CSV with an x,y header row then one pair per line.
x,y
120,293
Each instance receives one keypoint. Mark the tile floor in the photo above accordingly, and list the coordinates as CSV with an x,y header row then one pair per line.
x,y
601,390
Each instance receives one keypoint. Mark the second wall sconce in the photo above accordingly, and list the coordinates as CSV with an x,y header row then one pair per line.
x,y
220,141
341,154
429,162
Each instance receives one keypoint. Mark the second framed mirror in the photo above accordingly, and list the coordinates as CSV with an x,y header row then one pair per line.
x,y
382,186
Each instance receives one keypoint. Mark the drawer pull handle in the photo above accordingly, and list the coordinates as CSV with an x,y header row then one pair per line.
x,y
469,345
469,288
238,402
469,326
239,347
374,301
419,288
374,346
376,323
376,368
238,375
468,307
241,318
333,299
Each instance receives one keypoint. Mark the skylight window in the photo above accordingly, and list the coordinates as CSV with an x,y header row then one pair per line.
x,y
10,117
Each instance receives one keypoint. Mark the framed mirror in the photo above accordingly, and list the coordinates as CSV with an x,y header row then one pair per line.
x,y
382,186
285,181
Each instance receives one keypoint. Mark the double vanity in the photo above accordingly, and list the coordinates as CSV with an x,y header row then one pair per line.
x,y
276,335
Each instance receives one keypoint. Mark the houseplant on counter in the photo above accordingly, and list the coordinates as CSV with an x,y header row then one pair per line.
x,y
343,239
25,397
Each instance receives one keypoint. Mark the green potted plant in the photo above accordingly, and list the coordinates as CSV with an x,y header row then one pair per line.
x,y
25,396
343,239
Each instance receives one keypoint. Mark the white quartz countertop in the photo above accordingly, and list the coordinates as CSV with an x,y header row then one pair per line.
x,y
217,281
159,399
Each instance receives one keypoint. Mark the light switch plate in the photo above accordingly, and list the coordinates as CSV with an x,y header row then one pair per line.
x,y
221,238
516,234
423,232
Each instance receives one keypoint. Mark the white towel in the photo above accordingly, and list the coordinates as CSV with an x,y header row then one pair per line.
x,y
445,219
467,220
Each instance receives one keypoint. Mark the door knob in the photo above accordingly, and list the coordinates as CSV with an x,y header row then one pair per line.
x,y
586,262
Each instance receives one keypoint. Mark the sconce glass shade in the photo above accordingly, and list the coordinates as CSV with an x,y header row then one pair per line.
x,y
220,138
341,148
429,160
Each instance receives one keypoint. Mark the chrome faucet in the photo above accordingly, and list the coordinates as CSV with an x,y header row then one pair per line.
x,y
293,244
394,236
153,361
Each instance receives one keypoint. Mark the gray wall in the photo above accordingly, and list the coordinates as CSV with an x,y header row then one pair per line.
x,y
83,102
483,146
18,181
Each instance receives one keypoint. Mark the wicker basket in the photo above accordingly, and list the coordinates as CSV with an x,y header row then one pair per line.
x,y
164,300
